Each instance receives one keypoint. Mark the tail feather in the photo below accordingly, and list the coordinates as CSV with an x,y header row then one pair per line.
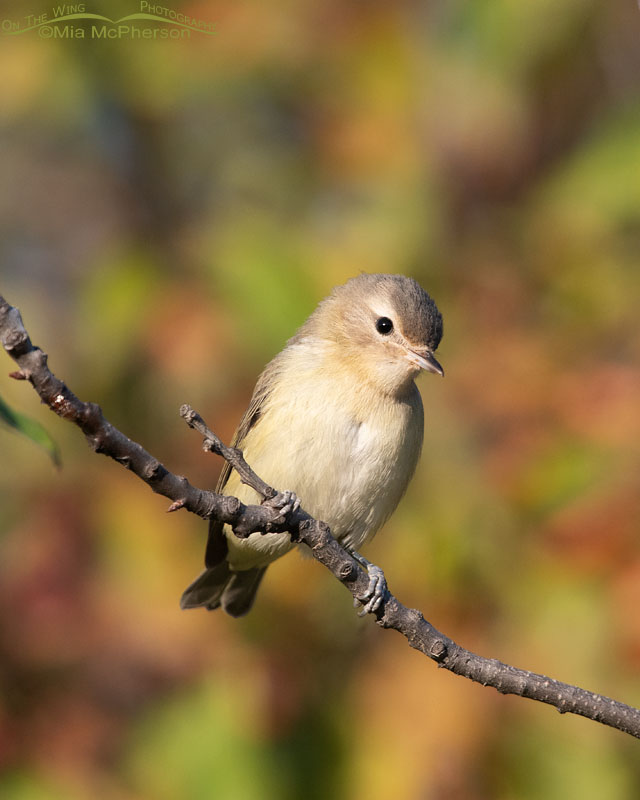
x,y
240,592
207,588
221,586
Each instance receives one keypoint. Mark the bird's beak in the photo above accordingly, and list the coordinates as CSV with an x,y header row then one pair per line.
x,y
425,360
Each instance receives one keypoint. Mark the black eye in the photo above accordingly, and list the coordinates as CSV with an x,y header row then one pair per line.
x,y
384,325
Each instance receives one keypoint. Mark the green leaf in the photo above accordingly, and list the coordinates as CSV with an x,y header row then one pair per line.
x,y
31,429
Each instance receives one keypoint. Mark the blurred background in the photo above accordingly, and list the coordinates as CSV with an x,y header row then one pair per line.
x,y
170,212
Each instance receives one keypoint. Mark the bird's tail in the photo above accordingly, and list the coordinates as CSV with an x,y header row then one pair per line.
x,y
221,586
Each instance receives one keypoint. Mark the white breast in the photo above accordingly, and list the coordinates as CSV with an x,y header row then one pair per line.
x,y
348,472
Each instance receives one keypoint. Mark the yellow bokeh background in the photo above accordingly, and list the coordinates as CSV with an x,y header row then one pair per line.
x,y
170,212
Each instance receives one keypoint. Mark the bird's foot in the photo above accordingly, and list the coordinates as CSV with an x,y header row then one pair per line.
x,y
285,502
377,589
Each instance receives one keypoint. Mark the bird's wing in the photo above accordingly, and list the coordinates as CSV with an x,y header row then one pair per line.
x,y
253,413
217,543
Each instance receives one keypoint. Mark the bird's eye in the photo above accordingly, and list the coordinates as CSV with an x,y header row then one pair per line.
x,y
384,325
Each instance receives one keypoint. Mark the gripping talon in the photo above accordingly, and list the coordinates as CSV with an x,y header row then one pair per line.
x,y
376,590
284,502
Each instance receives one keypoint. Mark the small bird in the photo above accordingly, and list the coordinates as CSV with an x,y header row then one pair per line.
x,y
337,419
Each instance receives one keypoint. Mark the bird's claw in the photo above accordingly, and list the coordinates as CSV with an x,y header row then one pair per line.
x,y
285,502
376,590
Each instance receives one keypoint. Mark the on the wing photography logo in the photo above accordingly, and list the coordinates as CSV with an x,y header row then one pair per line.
x,y
75,21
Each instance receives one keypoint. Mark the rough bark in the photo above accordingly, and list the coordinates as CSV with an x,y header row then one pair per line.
x,y
106,439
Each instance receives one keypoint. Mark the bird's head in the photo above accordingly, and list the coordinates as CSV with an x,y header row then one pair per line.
x,y
385,328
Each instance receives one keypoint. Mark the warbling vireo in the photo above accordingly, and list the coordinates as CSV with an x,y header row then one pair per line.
x,y
337,418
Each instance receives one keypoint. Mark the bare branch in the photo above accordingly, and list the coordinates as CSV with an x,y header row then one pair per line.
x,y
106,439
231,454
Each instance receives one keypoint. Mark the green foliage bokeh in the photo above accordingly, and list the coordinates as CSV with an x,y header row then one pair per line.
x,y
170,212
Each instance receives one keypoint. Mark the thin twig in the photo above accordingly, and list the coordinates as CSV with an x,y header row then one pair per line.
x,y
234,456
421,635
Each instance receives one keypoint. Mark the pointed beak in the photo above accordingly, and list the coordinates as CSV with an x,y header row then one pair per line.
x,y
425,360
